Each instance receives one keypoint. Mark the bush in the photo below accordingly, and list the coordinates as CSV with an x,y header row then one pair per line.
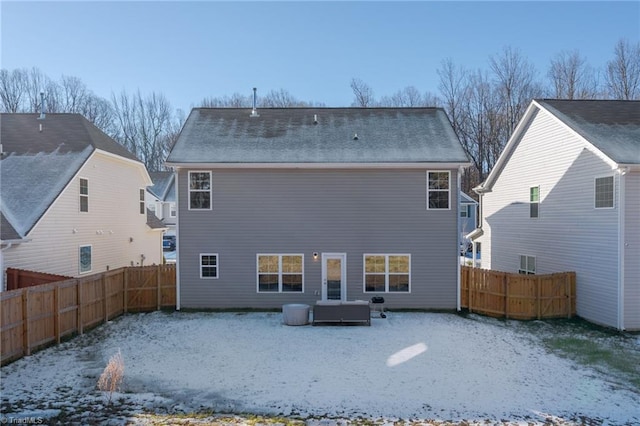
x,y
112,376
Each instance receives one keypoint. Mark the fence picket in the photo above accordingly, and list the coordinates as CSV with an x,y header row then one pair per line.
x,y
88,297
518,296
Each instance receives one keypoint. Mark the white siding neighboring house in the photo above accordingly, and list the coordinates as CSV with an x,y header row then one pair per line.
x,y
161,199
72,199
565,196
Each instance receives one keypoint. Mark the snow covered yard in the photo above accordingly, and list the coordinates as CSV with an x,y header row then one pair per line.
x,y
411,366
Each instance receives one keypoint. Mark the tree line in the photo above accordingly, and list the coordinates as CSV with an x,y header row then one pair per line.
x,y
484,105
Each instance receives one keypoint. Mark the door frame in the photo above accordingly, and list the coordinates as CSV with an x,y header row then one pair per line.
x,y
343,278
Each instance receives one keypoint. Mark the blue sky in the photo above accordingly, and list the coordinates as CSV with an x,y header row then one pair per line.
x,y
192,50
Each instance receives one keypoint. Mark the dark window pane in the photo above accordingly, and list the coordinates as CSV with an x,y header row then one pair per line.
x,y
292,283
399,283
268,282
438,199
200,200
374,283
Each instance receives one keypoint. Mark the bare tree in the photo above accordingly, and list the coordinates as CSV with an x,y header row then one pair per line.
x,y
514,79
363,93
571,77
145,125
234,101
280,99
13,86
623,71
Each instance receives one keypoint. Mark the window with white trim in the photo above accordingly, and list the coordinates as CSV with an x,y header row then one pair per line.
x,y
387,273
209,265
141,199
199,190
534,201
604,192
172,209
84,195
85,259
438,193
527,265
280,273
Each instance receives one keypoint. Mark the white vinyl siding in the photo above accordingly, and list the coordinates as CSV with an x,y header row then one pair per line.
x,y
570,235
631,251
117,240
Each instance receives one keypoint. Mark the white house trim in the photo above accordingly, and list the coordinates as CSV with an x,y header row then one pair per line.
x,y
440,166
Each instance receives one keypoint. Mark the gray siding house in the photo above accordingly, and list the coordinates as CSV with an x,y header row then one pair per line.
x,y
565,196
296,205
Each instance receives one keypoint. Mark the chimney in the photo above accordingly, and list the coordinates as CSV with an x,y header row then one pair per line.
x,y
41,107
254,111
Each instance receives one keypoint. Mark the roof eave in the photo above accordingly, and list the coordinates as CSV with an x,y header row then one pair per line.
x,y
381,165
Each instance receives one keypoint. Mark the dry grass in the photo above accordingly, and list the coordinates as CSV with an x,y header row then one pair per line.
x,y
112,376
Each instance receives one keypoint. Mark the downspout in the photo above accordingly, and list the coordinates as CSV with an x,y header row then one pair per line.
x,y
458,234
177,187
622,171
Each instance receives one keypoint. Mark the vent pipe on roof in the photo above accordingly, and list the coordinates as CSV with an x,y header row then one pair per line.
x,y
41,106
254,111
315,118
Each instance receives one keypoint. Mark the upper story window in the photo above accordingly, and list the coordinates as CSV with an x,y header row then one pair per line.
x,y
534,201
199,190
438,193
172,210
84,195
604,192
527,265
142,208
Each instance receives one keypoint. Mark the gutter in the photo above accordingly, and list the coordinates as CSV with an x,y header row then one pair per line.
x,y
622,171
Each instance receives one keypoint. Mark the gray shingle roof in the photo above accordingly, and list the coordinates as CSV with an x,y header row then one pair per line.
x,y
612,126
162,184
290,135
36,165
153,222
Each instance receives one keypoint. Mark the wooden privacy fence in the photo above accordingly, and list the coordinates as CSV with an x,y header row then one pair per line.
x,y
37,316
518,296
20,278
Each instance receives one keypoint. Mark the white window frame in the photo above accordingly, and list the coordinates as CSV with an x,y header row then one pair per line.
x,y
537,202
190,191
448,190
142,206
80,270
280,273
81,195
527,270
217,266
613,189
386,272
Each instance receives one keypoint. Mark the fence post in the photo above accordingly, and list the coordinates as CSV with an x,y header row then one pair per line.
x,y
125,296
56,312
79,297
159,288
105,302
538,297
505,290
26,345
